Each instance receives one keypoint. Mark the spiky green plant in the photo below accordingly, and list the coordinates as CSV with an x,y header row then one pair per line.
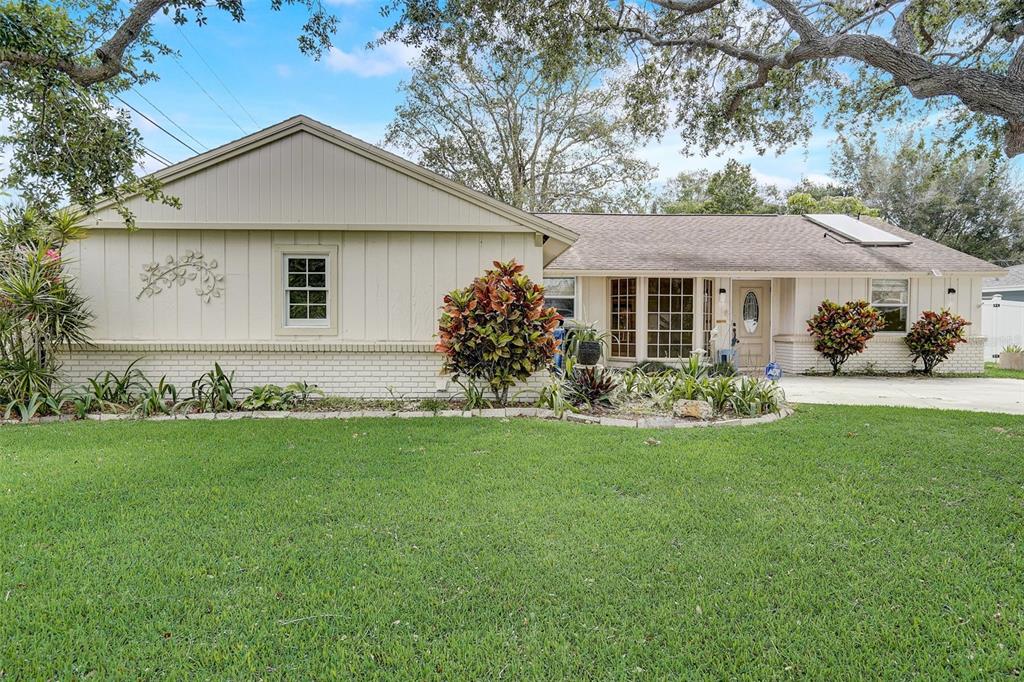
x,y
41,311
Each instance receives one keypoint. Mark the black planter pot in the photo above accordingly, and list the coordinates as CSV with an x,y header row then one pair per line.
x,y
588,352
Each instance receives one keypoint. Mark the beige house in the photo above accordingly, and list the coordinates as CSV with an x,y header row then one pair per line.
x,y
303,253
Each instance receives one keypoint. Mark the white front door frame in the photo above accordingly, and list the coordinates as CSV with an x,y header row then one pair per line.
x,y
735,316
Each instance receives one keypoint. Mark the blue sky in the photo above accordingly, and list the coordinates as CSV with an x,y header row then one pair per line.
x,y
351,88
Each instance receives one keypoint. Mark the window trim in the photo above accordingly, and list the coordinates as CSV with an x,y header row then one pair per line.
x,y
642,328
707,313
575,297
639,309
871,300
281,252
682,331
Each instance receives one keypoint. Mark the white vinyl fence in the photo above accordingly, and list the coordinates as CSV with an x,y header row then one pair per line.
x,y
1002,324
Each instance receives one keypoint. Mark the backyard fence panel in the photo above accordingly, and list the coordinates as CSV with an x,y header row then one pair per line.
x,y
1002,324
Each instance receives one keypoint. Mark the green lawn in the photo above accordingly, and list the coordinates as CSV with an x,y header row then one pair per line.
x,y
839,543
994,370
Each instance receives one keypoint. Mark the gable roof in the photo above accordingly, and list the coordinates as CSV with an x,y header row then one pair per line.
x,y
304,124
769,244
1013,279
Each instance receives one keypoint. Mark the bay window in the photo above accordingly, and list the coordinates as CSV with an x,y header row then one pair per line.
x,y
657,318
623,317
708,314
669,317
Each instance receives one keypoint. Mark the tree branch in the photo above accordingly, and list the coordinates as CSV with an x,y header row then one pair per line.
x,y
985,92
110,54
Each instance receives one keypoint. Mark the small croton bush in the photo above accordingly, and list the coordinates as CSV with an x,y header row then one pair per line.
x,y
842,331
497,330
935,336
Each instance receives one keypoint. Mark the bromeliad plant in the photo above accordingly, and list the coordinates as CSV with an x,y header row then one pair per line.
x,y
41,310
497,330
935,336
842,331
591,386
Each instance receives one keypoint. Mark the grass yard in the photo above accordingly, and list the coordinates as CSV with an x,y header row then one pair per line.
x,y
839,543
992,370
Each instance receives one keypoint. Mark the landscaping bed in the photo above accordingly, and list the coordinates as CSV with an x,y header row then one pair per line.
x,y
651,395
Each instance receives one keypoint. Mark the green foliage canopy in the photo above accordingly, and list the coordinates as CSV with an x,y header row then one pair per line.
x,y
63,65
758,71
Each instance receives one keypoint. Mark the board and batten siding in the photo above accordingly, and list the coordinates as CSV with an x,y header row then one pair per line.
x,y
926,293
391,282
301,179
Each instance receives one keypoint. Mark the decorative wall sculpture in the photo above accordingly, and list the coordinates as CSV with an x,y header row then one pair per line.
x,y
192,267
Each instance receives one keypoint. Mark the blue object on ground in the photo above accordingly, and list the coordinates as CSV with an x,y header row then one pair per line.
x,y
559,335
772,371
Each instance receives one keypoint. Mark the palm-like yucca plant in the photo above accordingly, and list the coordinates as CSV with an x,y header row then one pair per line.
x,y
41,311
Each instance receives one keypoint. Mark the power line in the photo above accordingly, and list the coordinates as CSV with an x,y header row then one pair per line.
x,y
181,141
200,86
223,84
171,120
156,157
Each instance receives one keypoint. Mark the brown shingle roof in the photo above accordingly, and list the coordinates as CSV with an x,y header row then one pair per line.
x,y
742,243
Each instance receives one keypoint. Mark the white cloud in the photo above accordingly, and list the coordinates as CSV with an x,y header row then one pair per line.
x,y
783,182
822,179
380,61
671,157
283,70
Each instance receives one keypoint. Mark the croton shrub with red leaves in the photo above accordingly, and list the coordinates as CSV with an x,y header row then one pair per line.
x,y
842,331
935,336
497,330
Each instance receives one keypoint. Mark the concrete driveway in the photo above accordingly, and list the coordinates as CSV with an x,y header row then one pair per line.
x,y
979,395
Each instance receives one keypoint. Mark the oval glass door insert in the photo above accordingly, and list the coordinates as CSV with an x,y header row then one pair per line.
x,y
751,312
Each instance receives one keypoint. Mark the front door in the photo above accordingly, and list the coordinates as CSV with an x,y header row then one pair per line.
x,y
751,315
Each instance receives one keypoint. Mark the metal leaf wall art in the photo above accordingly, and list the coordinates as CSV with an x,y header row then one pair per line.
x,y
192,267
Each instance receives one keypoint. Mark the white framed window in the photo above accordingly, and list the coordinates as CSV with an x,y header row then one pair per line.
x,y
891,298
669,317
623,317
306,289
708,321
560,294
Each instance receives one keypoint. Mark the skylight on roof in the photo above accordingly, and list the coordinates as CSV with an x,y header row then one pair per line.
x,y
856,231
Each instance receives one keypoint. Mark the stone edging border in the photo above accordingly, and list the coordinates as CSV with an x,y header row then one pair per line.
x,y
504,413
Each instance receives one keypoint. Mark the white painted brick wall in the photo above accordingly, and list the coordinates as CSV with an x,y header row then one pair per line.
x,y
376,374
887,353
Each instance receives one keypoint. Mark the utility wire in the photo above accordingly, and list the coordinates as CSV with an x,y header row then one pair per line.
x,y
219,80
130,106
172,121
156,157
205,92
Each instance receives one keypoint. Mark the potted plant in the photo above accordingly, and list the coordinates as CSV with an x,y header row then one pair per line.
x,y
1012,357
585,342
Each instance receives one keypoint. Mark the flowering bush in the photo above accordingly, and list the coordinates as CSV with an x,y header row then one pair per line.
x,y
497,329
842,331
935,336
